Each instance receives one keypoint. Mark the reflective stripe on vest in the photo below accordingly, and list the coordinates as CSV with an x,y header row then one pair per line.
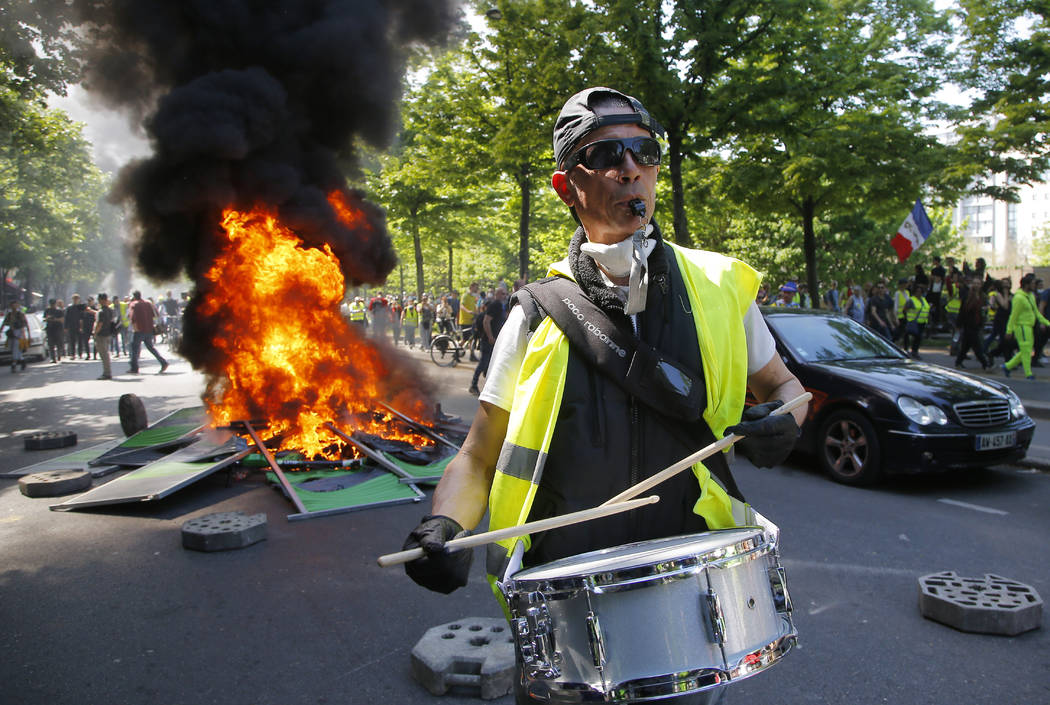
x,y
720,291
357,312
411,317
953,305
919,311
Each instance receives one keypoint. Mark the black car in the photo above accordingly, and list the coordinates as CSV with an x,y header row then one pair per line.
x,y
877,412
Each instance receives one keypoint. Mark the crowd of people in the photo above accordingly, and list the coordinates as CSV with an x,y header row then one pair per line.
x,y
97,328
405,320
983,314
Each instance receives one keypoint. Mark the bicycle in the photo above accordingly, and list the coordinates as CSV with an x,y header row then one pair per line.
x,y
448,350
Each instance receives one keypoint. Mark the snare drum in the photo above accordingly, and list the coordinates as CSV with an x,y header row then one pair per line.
x,y
653,619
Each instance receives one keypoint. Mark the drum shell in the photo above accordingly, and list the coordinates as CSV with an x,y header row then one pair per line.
x,y
653,627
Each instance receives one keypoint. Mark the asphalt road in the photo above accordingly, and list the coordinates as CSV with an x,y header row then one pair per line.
x,y
106,606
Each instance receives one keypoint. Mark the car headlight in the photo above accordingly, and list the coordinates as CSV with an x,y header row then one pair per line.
x,y
1016,407
922,414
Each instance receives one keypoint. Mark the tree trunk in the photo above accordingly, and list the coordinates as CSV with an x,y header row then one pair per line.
x,y
3,289
681,225
525,184
418,247
809,248
450,265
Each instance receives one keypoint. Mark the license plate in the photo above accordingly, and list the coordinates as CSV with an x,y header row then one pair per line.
x,y
992,441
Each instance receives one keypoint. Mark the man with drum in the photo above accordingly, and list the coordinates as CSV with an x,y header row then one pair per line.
x,y
652,361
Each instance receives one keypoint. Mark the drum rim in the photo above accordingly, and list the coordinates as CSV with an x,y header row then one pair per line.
x,y
672,684
752,545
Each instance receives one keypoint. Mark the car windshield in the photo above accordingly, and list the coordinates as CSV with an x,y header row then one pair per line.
x,y
828,338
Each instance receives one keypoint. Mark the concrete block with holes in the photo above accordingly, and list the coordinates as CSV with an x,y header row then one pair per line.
x,y
989,605
473,652
223,531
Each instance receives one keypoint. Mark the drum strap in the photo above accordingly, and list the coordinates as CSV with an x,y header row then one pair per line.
x,y
631,363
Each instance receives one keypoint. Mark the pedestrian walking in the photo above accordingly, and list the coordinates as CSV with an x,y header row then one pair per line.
x,y
72,322
1024,314
969,322
54,324
998,302
916,315
426,322
105,328
410,322
17,334
143,322
492,319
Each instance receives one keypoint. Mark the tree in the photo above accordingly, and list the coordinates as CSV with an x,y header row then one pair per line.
x,y
847,136
39,47
49,189
528,70
1006,60
698,66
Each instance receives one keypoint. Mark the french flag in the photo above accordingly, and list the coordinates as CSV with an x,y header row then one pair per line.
x,y
912,232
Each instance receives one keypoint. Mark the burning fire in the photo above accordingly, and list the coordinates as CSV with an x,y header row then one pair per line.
x,y
291,357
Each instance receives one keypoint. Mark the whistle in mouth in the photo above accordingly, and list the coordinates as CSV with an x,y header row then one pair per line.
x,y
637,207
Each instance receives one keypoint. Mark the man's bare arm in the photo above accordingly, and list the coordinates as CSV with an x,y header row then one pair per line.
x,y
775,381
463,493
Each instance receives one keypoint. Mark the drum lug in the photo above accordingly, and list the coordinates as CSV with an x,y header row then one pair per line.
x,y
778,584
534,631
594,635
716,618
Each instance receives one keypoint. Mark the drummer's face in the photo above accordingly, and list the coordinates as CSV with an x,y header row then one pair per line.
x,y
601,196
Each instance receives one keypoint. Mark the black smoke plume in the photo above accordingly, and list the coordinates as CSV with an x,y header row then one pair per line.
x,y
250,102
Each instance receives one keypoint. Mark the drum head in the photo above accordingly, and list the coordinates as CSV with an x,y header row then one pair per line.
x,y
673,550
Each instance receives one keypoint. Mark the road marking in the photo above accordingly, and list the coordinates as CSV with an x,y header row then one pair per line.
x,y
975,507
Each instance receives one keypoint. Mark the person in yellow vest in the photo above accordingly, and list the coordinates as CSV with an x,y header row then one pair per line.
x,y
468,306
900,300
357,313
916,316
409,322
1023,316
560,429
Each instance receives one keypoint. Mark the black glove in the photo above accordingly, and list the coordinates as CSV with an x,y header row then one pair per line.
x,y
439,570
768,440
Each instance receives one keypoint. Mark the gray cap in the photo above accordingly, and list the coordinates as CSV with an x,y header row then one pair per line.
x,y
577,119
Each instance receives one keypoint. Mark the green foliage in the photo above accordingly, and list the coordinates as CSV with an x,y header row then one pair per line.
x,y
49,191
1006,60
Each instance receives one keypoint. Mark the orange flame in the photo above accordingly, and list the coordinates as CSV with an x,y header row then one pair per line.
x,y
291,358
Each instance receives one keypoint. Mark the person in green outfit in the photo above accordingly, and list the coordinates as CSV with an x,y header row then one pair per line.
x,y
1023,315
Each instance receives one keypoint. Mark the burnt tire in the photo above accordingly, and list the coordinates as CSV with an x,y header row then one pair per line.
x,y
49,440
848,448
132,414
54,483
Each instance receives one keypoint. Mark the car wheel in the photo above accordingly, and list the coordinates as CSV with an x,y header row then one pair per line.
x,y
849,449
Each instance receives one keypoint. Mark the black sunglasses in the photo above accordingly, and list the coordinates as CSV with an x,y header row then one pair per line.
x,y
605,154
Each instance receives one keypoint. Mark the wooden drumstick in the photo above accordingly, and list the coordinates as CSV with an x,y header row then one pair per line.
x,y
699,455
515,531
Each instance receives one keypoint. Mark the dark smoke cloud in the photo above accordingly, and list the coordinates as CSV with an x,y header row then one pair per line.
x,y
248,102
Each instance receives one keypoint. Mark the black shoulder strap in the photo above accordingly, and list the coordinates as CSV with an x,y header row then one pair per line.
x,y
629,362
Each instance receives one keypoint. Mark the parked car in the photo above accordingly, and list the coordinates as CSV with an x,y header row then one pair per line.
x,y
876,412
37,344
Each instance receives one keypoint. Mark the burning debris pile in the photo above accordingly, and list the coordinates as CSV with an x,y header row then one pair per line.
x,y
253,110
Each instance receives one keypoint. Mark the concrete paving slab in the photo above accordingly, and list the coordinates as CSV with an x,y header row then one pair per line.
x,y
223,531
473,652
54,483
989,605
